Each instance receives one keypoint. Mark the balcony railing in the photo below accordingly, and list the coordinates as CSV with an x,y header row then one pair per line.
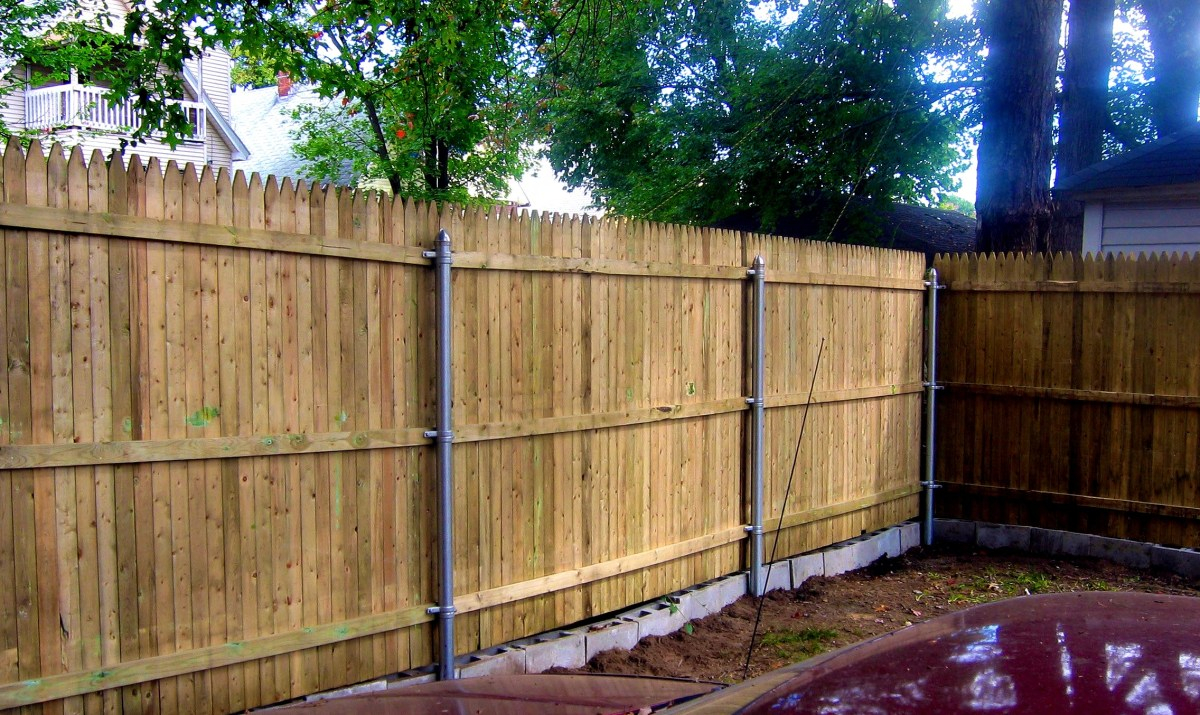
x,y
85,107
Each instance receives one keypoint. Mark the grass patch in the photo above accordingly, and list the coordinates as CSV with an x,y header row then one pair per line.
x,y
993,584
798,645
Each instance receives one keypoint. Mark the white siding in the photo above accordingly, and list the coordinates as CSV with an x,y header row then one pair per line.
x,y
12,105
1152,227
108,143
219,153
214,75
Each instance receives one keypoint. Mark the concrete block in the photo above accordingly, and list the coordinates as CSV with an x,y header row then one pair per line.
x,y
564,649
1076,544
500,660
688,603
956,531
1135,554
1002,536
1045,541
888,542
656,619
910,535
415,676
713,596
776,576
806,566
373,686
609,635
1183,562
849,555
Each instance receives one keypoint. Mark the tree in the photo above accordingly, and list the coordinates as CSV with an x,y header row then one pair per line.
x,y
1083,115
691,112
1174,27
430,96
1088,64
1016,145
250,68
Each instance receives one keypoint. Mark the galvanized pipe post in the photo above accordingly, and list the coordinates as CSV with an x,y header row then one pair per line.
x,y
931,388
757,402
444,438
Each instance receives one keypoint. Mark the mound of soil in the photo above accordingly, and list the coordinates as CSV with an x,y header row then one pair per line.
x,y
828,613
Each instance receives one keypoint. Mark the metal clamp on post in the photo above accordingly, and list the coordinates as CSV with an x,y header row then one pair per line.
x,y
443,611
439,436
755,529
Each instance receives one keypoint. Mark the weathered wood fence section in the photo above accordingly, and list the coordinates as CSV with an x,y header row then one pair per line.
x,y
1072,393
217,492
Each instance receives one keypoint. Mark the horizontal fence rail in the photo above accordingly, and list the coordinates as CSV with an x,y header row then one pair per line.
x,y
1072,393
217,391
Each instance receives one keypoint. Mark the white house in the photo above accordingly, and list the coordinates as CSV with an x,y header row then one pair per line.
x,y
1143,201
76,113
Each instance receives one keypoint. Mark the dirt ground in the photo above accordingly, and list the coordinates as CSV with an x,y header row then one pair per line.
x,y
827,613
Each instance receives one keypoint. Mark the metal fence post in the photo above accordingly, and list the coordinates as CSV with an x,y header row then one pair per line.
x,y
931,388
757,402
444,437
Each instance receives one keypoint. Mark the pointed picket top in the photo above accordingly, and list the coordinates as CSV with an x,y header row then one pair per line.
x,y
56,175
172,169
35,153
13,147
76,155
207,178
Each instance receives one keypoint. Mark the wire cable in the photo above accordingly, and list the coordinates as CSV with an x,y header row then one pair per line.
x,y
783,510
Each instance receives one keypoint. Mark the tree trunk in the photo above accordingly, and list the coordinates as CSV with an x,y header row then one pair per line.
x,y
1085,85
1084,113
1174,27
437,165
1015,147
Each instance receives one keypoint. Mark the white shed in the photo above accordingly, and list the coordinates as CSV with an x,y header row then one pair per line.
x,y
1143,201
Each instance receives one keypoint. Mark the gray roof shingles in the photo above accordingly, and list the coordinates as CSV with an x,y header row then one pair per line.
x,y
265,124
1173,160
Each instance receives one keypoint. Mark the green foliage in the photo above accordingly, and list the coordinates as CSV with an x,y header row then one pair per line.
x,y
691,112
433,97
953,202
1131,121
250,68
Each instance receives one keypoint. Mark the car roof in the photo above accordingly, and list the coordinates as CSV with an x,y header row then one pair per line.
x,y
1090,653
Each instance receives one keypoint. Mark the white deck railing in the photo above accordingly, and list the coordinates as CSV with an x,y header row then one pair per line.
x,y
85,107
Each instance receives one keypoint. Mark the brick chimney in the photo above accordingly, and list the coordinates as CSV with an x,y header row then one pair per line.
x,y
283,81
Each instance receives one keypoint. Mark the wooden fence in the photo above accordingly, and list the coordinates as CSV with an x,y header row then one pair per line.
x,y
216,489
1072,393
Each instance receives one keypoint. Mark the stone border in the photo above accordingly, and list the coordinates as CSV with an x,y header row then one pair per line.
x,y
574,647
1054,542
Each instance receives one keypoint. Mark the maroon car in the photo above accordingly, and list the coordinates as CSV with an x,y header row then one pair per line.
x,y
1093,653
